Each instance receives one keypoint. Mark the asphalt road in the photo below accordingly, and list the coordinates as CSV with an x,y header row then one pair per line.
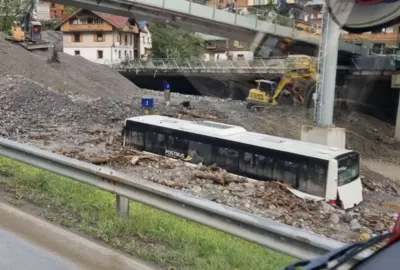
x,y
18,254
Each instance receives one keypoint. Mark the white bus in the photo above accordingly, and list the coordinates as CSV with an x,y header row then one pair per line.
x,y
321,171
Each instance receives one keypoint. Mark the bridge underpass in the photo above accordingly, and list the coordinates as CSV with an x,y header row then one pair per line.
x,y
260,33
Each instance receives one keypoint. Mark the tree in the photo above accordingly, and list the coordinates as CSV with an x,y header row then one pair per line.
x,y
70,10
8,11
172,42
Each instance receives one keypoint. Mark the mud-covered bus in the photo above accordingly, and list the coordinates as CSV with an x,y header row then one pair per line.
x,y
313,170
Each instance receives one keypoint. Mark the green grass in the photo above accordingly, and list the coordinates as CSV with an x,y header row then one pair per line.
x,y
148,233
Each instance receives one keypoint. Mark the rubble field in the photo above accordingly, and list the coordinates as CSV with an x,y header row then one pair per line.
x,y
77,109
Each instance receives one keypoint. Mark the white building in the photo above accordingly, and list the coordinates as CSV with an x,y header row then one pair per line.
x,y
101,38
145,40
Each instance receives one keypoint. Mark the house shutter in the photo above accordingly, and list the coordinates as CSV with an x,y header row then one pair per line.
x,y
73,37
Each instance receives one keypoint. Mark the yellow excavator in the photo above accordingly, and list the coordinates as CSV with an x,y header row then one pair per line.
x,y
26,31
298,68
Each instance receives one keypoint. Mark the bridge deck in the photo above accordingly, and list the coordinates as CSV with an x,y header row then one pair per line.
x,y
216,21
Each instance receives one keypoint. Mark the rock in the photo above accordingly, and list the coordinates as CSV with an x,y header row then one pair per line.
x,y
348,217
379,227
327,208
248,185
355,225
196,189
272,206
366,230
334,218
225,191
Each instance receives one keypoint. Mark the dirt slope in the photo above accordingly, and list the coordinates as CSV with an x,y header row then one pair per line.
x,y
74,74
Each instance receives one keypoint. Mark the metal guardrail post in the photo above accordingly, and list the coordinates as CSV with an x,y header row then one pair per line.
x,y
190,6
163,4
122,204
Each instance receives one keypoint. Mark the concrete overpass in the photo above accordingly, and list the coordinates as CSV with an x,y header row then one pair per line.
x,y
260,33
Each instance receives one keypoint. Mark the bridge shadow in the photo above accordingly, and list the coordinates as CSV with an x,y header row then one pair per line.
x,y
233,86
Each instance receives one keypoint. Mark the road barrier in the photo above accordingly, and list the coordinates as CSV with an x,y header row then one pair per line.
x,y
280,237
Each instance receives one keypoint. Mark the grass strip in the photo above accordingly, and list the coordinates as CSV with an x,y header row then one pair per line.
x,y
148,233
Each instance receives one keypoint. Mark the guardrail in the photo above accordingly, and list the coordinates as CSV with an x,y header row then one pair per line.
x,y
175,65
268,233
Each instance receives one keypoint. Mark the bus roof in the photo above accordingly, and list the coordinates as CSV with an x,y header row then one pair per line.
x,y
241,135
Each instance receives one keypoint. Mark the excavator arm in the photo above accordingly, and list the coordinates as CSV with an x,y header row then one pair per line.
x,y
28,14
287,78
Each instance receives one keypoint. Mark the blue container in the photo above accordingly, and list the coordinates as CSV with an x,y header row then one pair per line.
x,y
147,102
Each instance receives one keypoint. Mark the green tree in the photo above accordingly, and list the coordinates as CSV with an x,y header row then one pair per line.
x,y
172,42
8,11
70,10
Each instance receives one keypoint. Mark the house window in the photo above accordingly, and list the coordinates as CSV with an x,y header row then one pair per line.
x,y
90,20
99,54
131,54
119,54
99,37
126,39
97,21
76,37
77,53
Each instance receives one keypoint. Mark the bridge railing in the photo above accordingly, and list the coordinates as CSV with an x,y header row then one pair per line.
x,y
248,17
196,65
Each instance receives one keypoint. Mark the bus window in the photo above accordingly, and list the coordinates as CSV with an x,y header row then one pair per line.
x,y
226,158
136,139
302,177
290,173
348,169
177,144
263,167
316,183
155,143
246,163
200,152
279,166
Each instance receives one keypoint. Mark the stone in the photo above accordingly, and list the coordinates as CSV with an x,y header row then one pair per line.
x,y
334,218
225,191
355,225
379,227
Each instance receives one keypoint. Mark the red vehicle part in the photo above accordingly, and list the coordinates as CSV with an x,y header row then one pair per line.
x,y
396,230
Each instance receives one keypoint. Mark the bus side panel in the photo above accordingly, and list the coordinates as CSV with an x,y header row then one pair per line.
x,y
331,181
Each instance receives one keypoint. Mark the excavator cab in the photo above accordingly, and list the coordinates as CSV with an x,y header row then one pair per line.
x,y
35,31
262,94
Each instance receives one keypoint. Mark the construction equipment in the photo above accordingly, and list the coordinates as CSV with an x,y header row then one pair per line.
x,y
26,31
300,71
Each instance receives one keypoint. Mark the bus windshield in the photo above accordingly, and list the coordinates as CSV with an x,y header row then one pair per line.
x,y
348,168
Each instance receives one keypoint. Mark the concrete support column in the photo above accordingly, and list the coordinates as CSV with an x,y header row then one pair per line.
x,y
122,206
397,127
396,84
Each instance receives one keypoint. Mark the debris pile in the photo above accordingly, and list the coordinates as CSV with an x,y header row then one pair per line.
x,y
77,109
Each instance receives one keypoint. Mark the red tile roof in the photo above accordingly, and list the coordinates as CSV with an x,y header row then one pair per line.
x,y
114,20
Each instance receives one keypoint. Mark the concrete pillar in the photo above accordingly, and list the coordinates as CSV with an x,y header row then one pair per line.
x,y
397,127
122,206
396,84
330,49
